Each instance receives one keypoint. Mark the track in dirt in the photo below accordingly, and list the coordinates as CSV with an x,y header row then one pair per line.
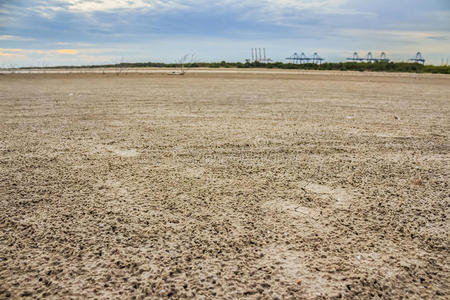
x,y
224,185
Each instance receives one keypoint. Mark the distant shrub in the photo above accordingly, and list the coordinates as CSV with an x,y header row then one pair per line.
x,y
341,66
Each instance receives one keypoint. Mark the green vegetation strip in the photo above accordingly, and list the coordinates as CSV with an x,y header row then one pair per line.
x,y
343,66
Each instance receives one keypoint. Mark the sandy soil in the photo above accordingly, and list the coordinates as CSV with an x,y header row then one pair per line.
x,y
224,185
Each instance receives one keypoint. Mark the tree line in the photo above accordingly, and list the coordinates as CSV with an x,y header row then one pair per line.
x,y
341,66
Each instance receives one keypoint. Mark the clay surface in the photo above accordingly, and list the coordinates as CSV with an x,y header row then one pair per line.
x,y
224,185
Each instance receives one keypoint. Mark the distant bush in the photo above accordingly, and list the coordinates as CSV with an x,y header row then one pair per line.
x,y
341,66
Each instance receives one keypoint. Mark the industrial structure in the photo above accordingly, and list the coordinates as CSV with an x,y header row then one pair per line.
x,y
257,56
302,58
369,58
355,57
418,58
383,57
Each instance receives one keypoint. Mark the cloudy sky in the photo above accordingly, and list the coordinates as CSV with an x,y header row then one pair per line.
x,y
75,32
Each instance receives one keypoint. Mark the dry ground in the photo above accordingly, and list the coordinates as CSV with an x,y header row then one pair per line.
x,y
224,185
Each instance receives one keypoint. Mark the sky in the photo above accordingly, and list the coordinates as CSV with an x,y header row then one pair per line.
x,y
80,32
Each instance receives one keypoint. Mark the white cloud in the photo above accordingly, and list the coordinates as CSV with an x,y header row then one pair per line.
x,y
89,6
13,38
292,12
74,44
321,6
400,41
269,7
396,34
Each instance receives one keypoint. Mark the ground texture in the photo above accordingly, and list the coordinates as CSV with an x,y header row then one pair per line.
x,y
320,185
